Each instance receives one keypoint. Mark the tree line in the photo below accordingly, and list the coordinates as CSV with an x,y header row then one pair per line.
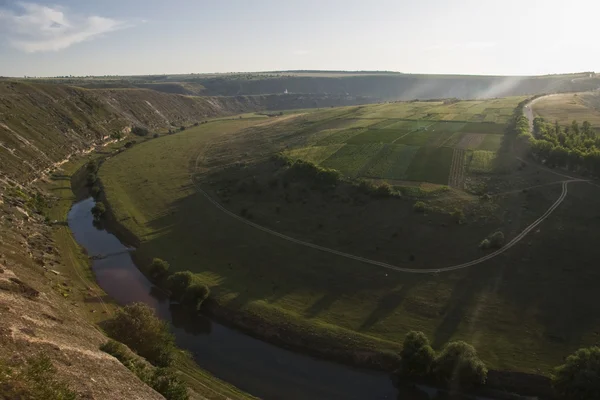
x,y
575,147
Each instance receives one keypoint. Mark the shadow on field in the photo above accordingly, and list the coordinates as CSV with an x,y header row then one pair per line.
x,y
388,303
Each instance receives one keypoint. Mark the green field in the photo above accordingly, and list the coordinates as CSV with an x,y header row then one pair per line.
x,y
364,142
334,303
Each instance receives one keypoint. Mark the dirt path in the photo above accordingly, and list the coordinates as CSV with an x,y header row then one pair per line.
x,y
457,169
480,260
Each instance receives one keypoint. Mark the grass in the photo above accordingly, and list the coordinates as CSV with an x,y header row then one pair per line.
x,y
350,159
504,307
481,161
567,107
491,143
431,165
392,162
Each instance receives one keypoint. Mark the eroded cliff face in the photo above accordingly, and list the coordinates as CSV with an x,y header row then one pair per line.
x,y
43,309
43,124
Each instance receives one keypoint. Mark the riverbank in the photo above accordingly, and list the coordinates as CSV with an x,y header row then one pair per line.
x,y
68,187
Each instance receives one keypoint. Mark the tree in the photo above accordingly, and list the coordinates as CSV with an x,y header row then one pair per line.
x,y
579,377
194,295
182,128
136,326
139,131
497,239
458,363
575,127
166,382
98,210
417,356
158,269
178,283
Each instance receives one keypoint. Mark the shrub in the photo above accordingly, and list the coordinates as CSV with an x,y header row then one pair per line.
x,y
579,377
458,216
497,239
417,356
136,326
155,135
485,244
178,283
92,166
182,128
196,123
384,190
95,191
98,210
458,363
194,295
91,178
302,170
169,384
159,269
139,131
163,380
419,206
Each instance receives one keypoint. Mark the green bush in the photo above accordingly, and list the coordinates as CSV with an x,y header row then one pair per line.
x,y
579,377
497,239
458,363
194,295
458,216
384,190
163,380
92,166
417,356
136,326
303,170
98,210
182,128
91,178
36,380
139,131
155,135
178,283
158,269
95,191
419,206
169,384
485,244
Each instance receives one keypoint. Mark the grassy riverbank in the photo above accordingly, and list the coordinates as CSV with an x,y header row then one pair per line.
x,y
67,186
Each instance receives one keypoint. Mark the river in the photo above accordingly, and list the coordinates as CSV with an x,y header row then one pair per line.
x,y
257,367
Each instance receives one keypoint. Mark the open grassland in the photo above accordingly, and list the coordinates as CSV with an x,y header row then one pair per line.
x,y
568,107
507,307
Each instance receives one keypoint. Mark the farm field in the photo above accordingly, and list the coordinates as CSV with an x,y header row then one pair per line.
x,y
506,307
410,141
567,107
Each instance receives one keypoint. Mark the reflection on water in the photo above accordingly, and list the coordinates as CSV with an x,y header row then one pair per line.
x,y
256,367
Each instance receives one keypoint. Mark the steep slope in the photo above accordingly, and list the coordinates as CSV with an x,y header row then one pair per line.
x,y
42,124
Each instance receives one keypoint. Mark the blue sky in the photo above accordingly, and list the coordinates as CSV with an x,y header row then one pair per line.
x,y
107,37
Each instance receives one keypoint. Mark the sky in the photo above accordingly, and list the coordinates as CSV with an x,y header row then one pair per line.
x,y
136,37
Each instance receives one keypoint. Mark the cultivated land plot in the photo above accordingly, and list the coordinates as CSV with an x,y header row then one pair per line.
x,y
431,164
567,107
314,154
481,161
350,159
392,162
491,142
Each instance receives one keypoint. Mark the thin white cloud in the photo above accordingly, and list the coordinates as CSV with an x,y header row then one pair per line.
x,y
300,52
40,28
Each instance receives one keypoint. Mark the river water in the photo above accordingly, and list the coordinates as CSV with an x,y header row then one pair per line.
x,y
257,367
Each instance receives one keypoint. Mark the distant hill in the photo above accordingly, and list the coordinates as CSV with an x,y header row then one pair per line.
x,y
383,85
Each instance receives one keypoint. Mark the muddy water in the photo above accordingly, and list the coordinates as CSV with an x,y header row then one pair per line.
x,y
257,367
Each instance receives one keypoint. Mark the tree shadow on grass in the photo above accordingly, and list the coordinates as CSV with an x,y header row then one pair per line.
x,y
320,305
461,301
388,304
